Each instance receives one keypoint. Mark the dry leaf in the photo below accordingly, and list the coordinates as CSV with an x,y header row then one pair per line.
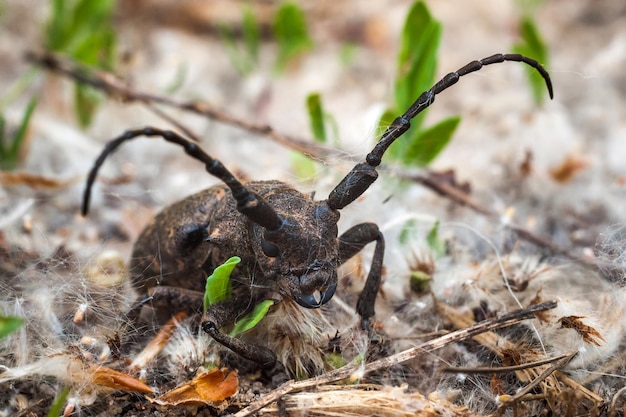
x,y
32,180
107,377
72,368
207,388
157,344
568,168
588,333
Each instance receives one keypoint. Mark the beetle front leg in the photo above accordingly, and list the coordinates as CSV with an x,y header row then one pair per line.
x,y
224,313
350,243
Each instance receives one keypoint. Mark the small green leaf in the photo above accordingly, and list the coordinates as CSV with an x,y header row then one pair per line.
x,y
419,282
303,166
417,67
251,34
82,30
428,143
435,244
9,324
253,318
59,402
533,46
86,101
10,148
316,117
291,32
335,360
407,231
394,152
218,285
179,79
417,59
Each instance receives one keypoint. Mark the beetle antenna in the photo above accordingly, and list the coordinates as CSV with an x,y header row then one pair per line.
x,y
249,204
364,174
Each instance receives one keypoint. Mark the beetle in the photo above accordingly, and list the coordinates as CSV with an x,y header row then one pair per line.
x,y
288,243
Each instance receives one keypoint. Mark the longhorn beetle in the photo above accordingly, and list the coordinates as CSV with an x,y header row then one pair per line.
x,y
288,243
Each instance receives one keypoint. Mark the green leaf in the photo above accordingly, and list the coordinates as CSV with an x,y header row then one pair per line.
x,y
20,134
86,101
303,166
57,28
59,402
417,58
179,79
407,231
253,318
335,360
419,282
9,324
82,30
533,46
394,152
291,32
417,67
435,244
10,148
316,117
4,146
218,285
251,34
427,144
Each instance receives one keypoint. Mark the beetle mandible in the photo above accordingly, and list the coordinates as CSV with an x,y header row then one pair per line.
x,y
288,242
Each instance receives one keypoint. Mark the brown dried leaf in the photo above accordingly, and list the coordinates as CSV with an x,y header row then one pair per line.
x,y
13,179
588,333
543,316
568,168
157,344
496,385
107,377
207,388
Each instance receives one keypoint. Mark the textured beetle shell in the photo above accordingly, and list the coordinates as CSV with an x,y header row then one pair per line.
x,y
187,240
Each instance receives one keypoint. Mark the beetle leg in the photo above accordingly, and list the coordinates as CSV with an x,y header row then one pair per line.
x,y
217,316
350,243
224,313
174,299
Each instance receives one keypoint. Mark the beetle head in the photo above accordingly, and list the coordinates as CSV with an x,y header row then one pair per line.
x,y
301,256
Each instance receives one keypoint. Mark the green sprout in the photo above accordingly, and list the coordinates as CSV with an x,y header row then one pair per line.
x,y
303,166
82,30
9,324
435,243
417,66
243,57
533,45
57,405
253,318
219,288
10,147
218,285
291,32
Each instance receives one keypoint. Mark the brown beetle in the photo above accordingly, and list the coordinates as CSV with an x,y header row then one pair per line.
x,y
288,242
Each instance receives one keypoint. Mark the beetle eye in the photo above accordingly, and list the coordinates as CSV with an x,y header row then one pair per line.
x,y
269,249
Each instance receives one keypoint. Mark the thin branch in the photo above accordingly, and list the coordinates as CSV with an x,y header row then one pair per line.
x,y
351,369
504,369
546,373
115,87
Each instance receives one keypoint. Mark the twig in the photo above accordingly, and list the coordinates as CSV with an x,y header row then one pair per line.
x,y
348,370
504,369
115,87
546,373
